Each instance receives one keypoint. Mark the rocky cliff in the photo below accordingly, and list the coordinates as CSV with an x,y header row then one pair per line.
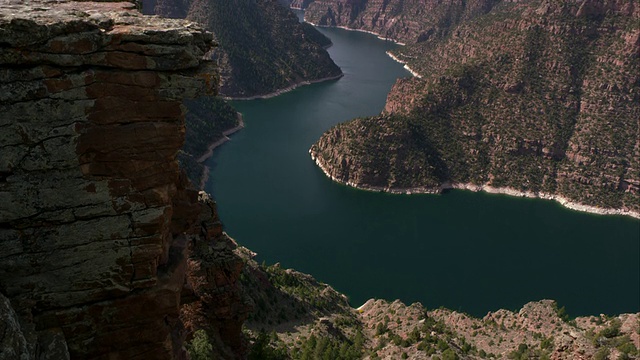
x,y
263,47
108,253
407,21
536,98
103,243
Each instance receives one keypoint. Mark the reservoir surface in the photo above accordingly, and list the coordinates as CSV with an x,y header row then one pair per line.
x,y
473,252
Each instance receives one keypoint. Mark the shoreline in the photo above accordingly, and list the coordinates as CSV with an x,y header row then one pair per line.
x,y
215,144
359,30
569,204
484,188
413,72
284,90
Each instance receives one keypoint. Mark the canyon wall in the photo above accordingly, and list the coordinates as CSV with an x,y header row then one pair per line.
x,y
97,222
407,21
263,49
536,98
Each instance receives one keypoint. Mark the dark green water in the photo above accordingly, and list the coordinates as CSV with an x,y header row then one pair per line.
x,y
466,251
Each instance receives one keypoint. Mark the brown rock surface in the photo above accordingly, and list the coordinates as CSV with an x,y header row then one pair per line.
x,y
538,325
95,218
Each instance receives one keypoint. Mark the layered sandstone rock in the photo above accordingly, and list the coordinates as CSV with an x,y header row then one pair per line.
x,y
95,218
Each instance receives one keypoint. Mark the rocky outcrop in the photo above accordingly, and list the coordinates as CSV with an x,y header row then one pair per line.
x,y
95,217
538,330
546,108
212,299
306,318
407,21
263,48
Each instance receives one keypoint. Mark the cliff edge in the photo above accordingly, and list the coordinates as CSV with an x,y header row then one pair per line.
x,y
96,219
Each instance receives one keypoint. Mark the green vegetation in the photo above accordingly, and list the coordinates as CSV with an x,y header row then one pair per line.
x,y
327,328
561,312
524,352
284,296
612,331
324,348
306,289
262,349
200,348
610,338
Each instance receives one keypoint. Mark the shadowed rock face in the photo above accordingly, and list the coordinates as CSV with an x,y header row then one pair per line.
x,y
95,217
263,48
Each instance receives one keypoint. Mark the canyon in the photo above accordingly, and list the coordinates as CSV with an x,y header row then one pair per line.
x,y
108,251
548,108
263,48
406,21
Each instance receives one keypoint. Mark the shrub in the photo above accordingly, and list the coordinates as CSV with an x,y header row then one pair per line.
x,y
200,348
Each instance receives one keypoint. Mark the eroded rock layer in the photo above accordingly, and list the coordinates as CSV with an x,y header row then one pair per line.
x,y
408,21
95,216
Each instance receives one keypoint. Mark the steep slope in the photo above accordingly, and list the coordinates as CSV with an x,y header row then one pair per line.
x,y
407,21
539,98
297,317
263,48
97,222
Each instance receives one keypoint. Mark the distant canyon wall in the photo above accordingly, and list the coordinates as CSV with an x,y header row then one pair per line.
x,y
407,21
537,98
263,49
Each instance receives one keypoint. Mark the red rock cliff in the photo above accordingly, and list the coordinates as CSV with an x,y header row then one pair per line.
x,y
408,21
95,216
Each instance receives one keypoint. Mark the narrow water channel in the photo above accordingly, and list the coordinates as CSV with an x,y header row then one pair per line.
x,y
467,251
